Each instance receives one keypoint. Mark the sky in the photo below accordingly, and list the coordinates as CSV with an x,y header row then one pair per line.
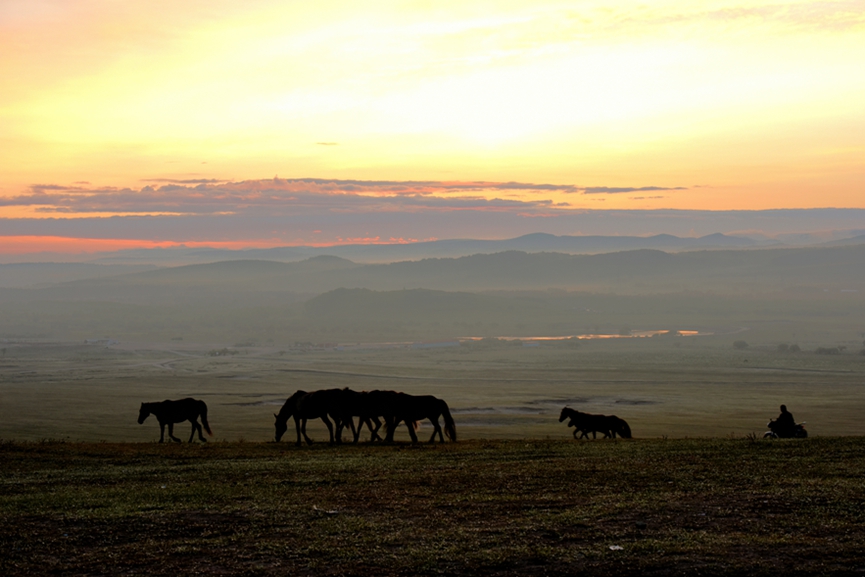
x,y
270,122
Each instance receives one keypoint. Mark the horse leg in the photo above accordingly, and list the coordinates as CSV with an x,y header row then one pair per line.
x,y
391,425
375,436
360,422
355,432
329,427
297,429
161,432
437,430
196,427
303,430
338,425
412,434
171,433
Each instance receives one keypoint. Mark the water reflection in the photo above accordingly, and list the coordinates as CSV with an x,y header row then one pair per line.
x,y
593,336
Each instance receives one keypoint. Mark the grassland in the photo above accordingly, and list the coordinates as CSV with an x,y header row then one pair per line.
x,y
664,387
519,507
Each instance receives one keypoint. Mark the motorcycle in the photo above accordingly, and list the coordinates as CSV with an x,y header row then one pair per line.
x,y
774,432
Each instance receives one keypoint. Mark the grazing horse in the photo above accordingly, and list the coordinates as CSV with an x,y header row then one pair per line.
x,y
401,407
304,406
349,404
586,423
171,412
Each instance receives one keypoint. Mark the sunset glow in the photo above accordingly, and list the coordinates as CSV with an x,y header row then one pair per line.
x,y
133,109
53,244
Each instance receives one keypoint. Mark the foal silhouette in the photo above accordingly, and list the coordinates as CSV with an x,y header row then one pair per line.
x,y
585,423
171,412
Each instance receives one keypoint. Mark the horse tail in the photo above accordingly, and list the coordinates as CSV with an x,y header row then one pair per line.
x,y
450,426
625,430
204,418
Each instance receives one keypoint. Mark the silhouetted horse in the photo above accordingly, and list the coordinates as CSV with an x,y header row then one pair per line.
x,y
401,407
342,405
304,406
349,404
171,412
585,423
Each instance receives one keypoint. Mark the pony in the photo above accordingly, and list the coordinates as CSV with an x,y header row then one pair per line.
x,y
582,426
304,406
401,407
585,423
171,412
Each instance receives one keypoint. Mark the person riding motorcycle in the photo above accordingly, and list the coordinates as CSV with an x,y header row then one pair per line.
x,y
785,424
785,427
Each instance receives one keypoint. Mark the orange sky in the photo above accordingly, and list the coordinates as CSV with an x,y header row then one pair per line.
x,y
723,104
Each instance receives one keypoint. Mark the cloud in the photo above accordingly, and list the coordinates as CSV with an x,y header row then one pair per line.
x,y
207,196
619,190
327,143
39,188
186,181
281,197
810,15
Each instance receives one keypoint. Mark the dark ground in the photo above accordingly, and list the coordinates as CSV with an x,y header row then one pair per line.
x,y
651,507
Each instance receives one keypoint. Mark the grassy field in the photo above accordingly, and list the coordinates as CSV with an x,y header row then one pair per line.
x,y
685,387
483,507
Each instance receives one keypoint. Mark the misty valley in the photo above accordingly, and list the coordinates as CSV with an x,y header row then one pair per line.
x,y
691,344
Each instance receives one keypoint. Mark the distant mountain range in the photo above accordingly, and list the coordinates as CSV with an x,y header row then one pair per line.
x,y
624,272
385,253
329,299
100,264
30,274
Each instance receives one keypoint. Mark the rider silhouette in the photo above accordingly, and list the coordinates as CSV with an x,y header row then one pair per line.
x,y
785,425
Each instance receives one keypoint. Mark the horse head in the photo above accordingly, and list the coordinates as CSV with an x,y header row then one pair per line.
x,y
285,413
281,426
566,412
143,413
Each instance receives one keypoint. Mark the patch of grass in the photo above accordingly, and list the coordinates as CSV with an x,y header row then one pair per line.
x,y
716,507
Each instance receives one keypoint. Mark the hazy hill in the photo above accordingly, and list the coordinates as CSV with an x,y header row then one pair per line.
x,y
331,299
859,239
451,248
232,283
19,275
627,272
